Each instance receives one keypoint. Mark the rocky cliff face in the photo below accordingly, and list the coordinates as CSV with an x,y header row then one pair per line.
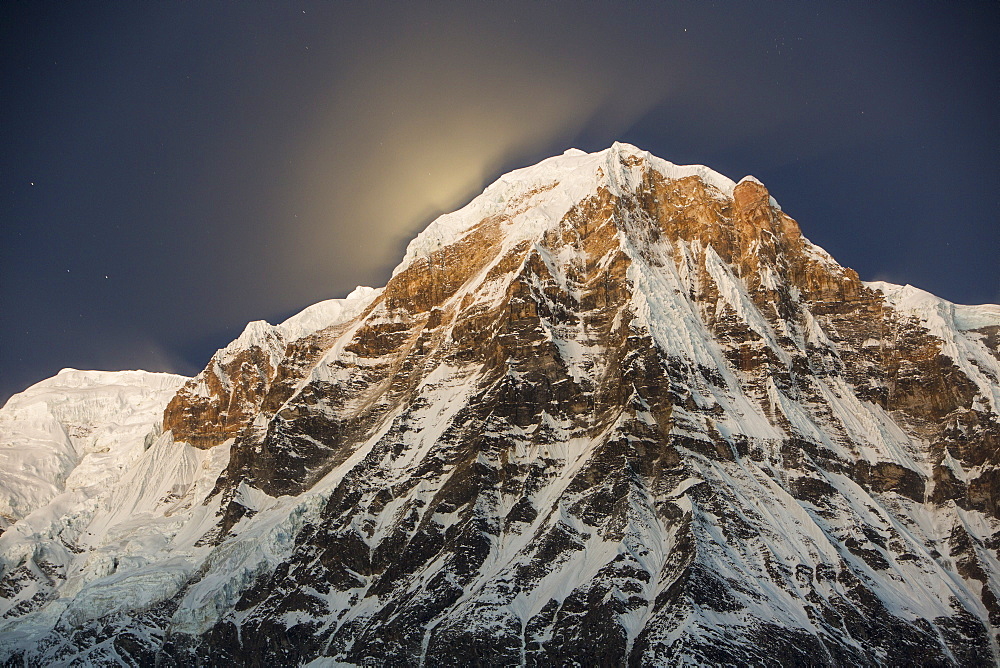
x,y
613,411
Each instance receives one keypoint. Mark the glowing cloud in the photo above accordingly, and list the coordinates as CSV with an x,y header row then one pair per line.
x,y
419,129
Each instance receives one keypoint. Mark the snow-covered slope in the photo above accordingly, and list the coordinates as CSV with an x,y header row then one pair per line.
x,y
75,430
327,313
109,514
613,411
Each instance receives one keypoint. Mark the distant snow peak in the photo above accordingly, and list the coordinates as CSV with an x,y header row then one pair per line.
x,y
75,430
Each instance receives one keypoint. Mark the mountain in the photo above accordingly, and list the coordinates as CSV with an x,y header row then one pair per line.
x,y
613,411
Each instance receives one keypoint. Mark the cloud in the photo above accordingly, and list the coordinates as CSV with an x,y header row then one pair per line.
x,y
419,129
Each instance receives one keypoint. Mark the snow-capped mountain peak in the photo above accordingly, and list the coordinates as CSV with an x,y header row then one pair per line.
x,y
614,410
535,198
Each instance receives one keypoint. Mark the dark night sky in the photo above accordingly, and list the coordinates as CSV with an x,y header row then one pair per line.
x,y
173,170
